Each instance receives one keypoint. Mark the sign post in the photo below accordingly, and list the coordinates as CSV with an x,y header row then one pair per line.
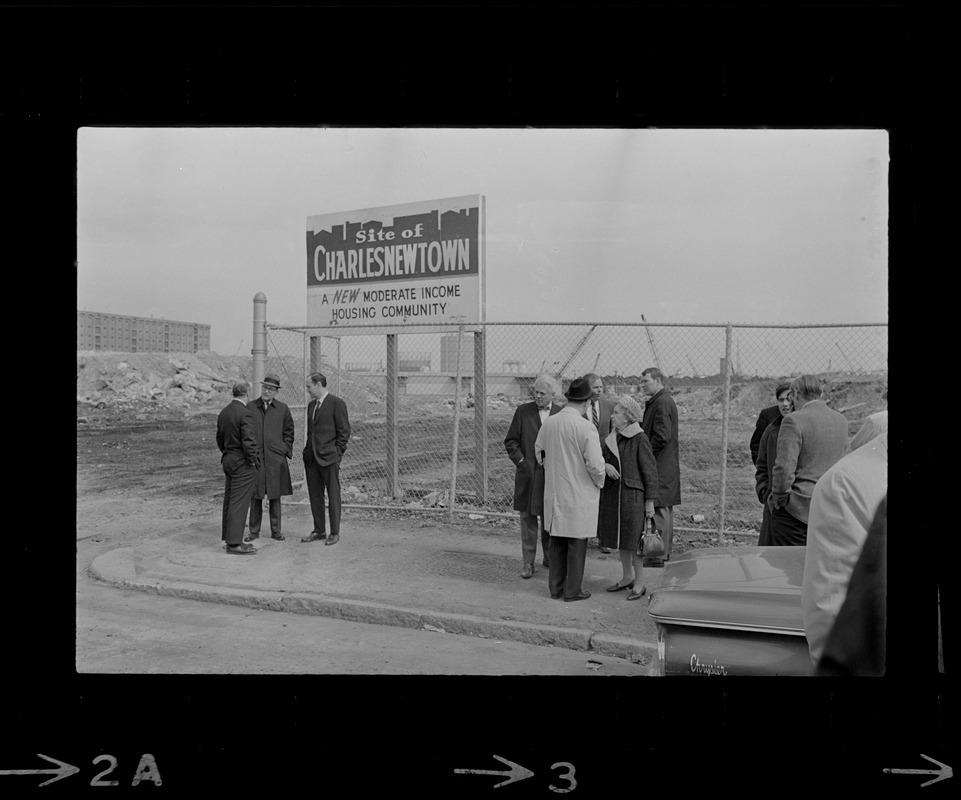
x,y
402,268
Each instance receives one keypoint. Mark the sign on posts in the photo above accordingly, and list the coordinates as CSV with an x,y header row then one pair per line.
x,y
416,263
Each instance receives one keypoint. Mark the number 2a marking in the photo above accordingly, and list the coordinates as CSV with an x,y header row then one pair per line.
x,y
146,771
568,776
113,765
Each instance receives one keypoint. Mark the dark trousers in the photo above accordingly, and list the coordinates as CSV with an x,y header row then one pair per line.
x,y
321,479
786,529
764,537
566,570
238,489
530,526
257,515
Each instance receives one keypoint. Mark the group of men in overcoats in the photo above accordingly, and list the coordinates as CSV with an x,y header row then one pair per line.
x,y
829,495
256,441
559,470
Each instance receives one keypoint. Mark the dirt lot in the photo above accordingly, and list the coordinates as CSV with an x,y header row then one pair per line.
x,y
146,446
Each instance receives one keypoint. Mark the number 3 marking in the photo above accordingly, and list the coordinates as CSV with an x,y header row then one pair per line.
x,y
569,777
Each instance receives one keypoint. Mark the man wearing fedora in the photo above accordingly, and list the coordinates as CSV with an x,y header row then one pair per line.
x,y
328,431
568,447
275,435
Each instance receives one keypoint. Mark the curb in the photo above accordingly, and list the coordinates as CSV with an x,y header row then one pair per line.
x,y
118,568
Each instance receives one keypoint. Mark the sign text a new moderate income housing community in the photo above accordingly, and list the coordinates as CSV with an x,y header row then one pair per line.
x,y
413,263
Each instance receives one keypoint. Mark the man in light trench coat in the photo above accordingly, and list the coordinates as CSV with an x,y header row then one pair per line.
x,y
275,435
570,450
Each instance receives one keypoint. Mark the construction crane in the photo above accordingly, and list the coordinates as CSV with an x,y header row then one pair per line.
x,y
846,359
650,340
577,349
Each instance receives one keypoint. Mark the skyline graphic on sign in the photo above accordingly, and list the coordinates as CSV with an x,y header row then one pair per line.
x,y
426,245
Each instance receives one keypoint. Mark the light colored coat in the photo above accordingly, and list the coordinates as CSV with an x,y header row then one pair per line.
x,y
570,450
811,441
845,501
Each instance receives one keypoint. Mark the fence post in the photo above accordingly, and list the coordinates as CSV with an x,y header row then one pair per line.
x,y
259,350
480,414
453,459
315,354
725,416
339,340
391,393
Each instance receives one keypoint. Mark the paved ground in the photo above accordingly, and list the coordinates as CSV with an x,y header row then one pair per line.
x,y
416,575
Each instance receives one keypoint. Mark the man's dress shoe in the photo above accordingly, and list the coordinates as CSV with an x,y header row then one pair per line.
x,y
581,596
333,538
250,537
314,537
278,536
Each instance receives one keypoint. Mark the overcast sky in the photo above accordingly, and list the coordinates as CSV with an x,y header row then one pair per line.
x,y
683,226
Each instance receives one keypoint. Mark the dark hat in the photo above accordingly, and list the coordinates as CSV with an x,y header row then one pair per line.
x,y
271,380
579,390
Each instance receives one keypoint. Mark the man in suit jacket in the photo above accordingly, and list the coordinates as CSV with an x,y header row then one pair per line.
x,y
813,438
599,410
328,431
660,425
275,435
529,475
765,418
240,459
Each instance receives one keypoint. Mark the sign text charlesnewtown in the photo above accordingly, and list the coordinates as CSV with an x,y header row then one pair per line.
x,y
416,262
429,245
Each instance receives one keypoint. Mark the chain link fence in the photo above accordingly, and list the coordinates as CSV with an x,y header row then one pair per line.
x,y
423,441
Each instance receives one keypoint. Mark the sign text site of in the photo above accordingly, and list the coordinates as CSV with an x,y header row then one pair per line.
x,y
412,263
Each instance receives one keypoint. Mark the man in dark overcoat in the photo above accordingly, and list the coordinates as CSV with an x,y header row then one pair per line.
x,y
275,435
660,425
328,431
240,459
765,418
528,474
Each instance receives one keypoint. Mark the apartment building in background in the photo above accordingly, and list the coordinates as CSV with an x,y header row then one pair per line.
x,y
125,334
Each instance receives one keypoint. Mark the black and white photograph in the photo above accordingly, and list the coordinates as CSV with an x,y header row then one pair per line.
x,y
451,383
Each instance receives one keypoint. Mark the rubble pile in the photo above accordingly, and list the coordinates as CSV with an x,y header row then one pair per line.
x,y
176,379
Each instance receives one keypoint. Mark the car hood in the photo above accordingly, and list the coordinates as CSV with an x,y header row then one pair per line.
x,y
741,588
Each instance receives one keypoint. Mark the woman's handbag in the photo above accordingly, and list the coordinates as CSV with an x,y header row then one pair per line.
x,y
652,545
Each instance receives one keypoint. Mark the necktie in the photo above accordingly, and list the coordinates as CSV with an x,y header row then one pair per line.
x,y
597,422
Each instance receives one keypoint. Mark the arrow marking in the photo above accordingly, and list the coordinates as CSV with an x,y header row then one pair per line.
x,y
63,770
943,773
515,773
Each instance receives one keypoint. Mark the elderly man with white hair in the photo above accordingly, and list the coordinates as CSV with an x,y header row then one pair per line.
x,y
528,474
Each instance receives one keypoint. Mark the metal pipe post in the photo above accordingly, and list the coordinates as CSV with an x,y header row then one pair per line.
x,y
725,417
259,351
393,486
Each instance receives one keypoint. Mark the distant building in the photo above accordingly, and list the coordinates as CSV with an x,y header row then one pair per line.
x,y
123,334
414,362
448,353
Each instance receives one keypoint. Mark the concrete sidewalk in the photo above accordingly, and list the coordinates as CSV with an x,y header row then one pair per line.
x,y
411,574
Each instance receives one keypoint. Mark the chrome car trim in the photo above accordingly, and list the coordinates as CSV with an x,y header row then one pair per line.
x,y
722,626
